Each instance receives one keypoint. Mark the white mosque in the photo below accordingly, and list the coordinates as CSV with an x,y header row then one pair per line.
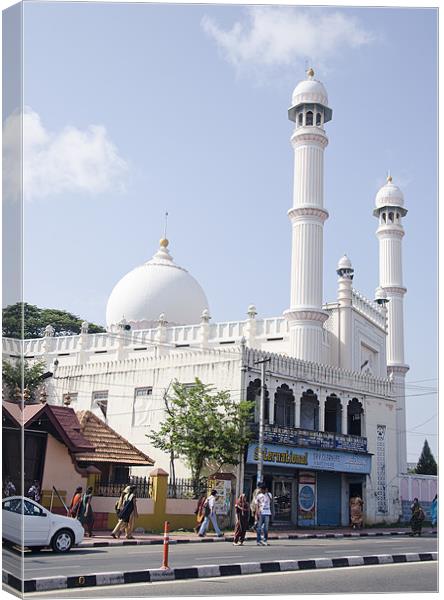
x,y
335,399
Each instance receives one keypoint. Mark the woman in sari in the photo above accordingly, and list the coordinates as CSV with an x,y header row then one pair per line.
x,y
242,508
356,505
75,503
127,512
200,512
85,513
417,517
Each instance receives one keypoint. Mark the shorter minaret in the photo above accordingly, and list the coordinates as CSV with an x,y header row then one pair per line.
x,y
390,212
345,273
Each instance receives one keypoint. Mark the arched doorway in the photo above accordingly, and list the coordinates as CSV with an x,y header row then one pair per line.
x,y
254,395
354,417
333,414
284,406
309,411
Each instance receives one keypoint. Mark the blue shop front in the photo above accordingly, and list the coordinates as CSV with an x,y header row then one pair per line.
x,y
311,474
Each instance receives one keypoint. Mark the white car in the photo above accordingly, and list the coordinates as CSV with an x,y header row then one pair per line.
x,y
40,527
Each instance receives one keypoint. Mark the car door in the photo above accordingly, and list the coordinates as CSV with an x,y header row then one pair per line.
x,y
12,519
36,524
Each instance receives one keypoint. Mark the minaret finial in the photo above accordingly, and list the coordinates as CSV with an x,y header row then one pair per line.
x,y
310,73
389,177
164,241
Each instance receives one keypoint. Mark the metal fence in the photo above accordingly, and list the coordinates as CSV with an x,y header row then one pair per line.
x,y
115,488
185,488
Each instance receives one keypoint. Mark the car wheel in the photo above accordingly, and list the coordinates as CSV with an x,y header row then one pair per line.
x,y
62,541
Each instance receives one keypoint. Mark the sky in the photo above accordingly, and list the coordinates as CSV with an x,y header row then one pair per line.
x,y
135,109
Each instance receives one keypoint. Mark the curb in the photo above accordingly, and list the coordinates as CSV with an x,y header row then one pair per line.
x,y
150,575
295,536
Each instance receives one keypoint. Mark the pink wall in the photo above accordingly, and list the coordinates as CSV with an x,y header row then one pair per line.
x,y
59,470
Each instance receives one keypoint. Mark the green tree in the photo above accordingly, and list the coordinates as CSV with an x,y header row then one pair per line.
x,y
204,427
27,321
426,463
22,374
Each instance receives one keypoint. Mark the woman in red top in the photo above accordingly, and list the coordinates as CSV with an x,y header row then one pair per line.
x,y
75,503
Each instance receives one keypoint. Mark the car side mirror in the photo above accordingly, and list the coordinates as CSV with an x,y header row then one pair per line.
x,y
43,514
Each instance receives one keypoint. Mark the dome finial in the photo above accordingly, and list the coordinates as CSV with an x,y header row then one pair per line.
x,y
164,241
310,73
389,177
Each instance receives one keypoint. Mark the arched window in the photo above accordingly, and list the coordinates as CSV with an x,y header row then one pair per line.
x,y
300,119
254,395
309,411
284,406
390,217
318,118
397,216
333,412
354,417
309,118
383,217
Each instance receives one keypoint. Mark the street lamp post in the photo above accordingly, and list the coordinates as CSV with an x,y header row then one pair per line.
x,y
260,464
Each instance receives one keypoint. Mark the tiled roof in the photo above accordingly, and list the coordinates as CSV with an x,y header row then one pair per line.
x,y
62,418
110,446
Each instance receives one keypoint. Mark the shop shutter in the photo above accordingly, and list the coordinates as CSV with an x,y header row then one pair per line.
x,y
329,498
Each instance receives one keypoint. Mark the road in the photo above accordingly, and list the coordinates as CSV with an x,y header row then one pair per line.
x,y
414,577
84,561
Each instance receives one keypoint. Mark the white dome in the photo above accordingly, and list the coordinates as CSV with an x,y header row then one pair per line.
x,y
344,263
389,195
158,286
309,91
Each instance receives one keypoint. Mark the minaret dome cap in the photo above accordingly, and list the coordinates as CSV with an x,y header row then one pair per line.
x,y
309,91
344,263
389,195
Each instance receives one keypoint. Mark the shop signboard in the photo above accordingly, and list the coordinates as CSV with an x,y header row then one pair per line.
x,y
274,434
310,458
307,499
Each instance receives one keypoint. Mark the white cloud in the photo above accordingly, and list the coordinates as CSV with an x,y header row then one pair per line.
x,y
71,160
286,36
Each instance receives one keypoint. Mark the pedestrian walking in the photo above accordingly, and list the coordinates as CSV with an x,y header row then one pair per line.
x,y
34,491
417,517
434,511
242,509
75,502
8,488
85,513
126,508
200,512
263,514
356,511
210,515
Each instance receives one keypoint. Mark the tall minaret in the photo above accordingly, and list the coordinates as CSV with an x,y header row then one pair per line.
x,y
390,212
309,111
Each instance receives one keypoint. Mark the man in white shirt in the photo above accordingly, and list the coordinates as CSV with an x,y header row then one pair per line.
x,y
263,513
210,515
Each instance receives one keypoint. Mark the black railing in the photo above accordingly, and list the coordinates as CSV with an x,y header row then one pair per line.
x,y
115,488
277,434
186,488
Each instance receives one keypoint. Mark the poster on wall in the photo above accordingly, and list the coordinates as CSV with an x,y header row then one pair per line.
x,y
307,499
223,499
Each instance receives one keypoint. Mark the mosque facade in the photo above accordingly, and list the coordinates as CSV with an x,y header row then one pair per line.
x,y
334,414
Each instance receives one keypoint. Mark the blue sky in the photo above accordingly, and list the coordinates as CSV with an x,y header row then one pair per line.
x,y
184,108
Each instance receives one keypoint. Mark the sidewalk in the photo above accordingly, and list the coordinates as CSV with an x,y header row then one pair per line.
x,y
103,538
